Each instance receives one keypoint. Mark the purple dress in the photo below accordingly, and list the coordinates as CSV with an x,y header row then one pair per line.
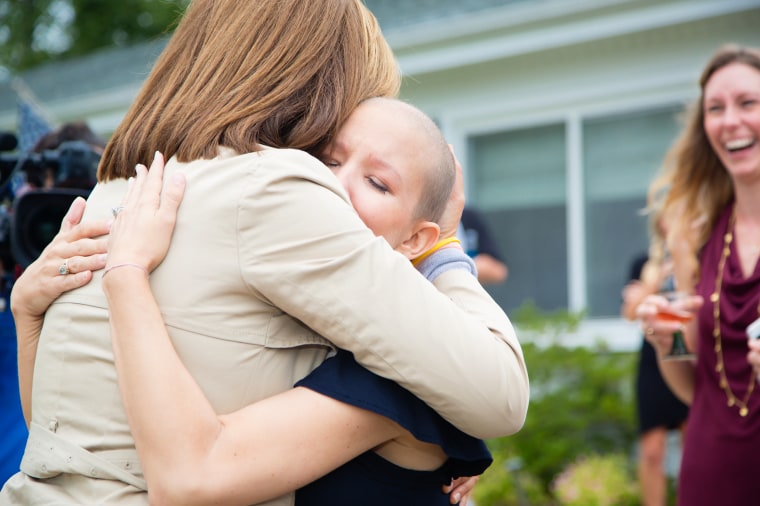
x,y
721,450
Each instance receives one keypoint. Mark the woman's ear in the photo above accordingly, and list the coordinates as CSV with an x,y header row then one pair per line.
x,y
423,238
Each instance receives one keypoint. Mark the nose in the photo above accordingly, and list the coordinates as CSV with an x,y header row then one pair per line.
x,y
731,116
343,173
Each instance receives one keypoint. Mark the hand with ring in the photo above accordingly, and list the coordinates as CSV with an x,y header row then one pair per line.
x,y
657,330
66,263
141,234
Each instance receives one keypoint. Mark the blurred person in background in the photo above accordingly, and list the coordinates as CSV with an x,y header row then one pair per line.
x,y
37,176
479,243
658,409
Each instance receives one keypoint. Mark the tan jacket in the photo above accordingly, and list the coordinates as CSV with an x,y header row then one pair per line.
x,y
264,241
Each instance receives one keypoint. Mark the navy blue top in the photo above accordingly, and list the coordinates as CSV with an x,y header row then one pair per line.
x,y
371,480
12,424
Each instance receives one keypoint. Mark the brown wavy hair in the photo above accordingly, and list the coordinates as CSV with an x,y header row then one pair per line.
x,y
242,74
693,186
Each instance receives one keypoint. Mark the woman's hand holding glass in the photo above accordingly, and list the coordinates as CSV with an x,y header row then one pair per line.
x,y
664,318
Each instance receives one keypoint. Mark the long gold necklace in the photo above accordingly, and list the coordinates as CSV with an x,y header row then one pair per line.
x,y
715,298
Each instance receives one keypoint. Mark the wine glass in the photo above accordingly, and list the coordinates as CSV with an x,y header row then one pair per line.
x,y
674,312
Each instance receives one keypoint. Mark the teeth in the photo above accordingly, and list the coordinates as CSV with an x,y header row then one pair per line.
x,y
739,144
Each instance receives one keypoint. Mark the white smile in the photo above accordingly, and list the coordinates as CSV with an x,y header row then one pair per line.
x,y
738,144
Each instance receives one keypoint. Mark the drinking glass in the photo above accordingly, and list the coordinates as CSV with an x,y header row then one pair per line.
x,y
674,312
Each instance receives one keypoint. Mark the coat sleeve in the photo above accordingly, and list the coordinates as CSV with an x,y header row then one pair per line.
x,y
304,249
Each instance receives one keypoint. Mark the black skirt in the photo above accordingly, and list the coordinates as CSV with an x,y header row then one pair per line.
x,y
657,406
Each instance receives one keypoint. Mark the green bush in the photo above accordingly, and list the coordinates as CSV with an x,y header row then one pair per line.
x,y
582,404
597,480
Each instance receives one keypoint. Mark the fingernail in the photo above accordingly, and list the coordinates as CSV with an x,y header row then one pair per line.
x,y
457,498
103,257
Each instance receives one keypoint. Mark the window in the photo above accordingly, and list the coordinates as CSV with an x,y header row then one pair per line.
x,y
517,180
621,154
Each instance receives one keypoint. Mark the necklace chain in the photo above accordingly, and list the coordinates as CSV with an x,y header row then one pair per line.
x,y
715,298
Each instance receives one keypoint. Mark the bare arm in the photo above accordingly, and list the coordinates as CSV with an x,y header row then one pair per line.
x,y
636,290
41,283
190,455
679,375
490,269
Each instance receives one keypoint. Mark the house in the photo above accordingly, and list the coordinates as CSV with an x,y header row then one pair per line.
x,y
560,111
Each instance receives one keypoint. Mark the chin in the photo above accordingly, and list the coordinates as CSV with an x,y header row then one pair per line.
x,y
743,166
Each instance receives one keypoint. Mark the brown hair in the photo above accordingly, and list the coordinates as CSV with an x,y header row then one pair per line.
x,y
694,187
71,131
242,74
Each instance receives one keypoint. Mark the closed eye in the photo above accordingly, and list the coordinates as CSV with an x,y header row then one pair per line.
x,y
378,185
331,164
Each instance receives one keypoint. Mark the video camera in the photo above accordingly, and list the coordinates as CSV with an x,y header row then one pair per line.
x,y
29,221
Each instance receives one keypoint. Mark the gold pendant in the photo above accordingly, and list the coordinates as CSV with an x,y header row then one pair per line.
x,y
744,411
731,402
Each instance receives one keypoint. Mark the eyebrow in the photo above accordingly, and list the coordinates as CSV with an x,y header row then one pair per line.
x,y
340,146
397,179
337,144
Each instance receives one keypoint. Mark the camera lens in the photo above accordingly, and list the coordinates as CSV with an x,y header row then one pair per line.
x,y
42,225
37,218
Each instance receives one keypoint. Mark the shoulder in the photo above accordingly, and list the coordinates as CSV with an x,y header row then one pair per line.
x,y
294,161
270,172
286,161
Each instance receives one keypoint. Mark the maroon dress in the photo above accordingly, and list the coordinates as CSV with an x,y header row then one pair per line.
x,y
721,449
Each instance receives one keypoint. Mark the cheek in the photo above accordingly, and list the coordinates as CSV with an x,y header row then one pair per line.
x,y
382,220
754,122
712,130
371,214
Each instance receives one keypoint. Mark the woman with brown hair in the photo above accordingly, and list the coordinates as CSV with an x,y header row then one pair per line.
x,y
711,185
267,256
